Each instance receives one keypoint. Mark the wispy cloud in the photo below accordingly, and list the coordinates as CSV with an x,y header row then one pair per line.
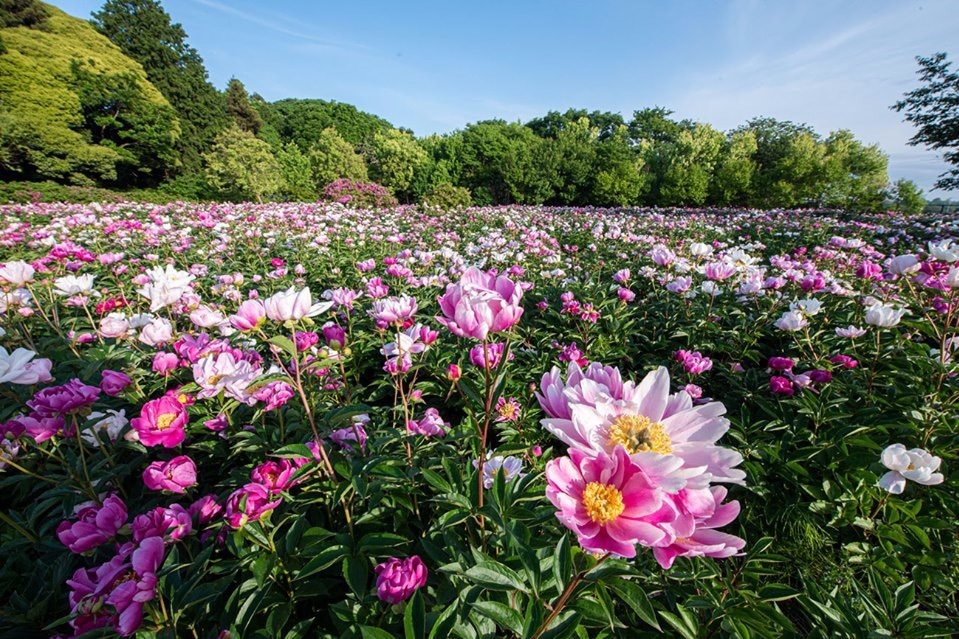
x,y
276,26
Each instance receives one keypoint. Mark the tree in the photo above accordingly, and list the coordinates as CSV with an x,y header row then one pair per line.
x,y
854,175
302,121
907,197
23,13
934,110
239,108
571,158
394,157
501,163
734,173
692,161
620,180
118,115
298,184
144,31
332,158
241,166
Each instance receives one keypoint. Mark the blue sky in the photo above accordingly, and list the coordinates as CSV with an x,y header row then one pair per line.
x,y
435,66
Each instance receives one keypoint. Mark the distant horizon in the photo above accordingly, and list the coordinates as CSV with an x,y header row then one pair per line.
x,y
437,67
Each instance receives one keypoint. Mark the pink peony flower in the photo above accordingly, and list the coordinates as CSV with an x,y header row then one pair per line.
x,y
781,386
275,475
480,304
398,579
275,394
95,525
673,441
173,523
430,425
175,475
163,363
136,585
488,356
114,382
608,501
162,422
693,532
396,311
249,316
68,399
248,504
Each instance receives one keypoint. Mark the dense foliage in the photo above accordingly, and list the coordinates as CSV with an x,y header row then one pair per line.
x,y
74,109
934,109
318,421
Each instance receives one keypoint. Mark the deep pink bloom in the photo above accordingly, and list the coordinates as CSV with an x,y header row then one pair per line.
x,y
43,428
275,475
114,382
820,376
162,422
248,504
304,340
347,438
490,356
94,525
136,585
175,475
608,501
335,336
453,372
844,360
173,523
480,304
781,386
205,509
781,363
430,425
67,399
275,394
398,579
163,362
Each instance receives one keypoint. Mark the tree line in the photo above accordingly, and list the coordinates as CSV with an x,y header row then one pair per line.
x,y
201,143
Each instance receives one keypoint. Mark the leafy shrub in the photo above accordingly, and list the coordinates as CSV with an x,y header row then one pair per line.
x,y
448,197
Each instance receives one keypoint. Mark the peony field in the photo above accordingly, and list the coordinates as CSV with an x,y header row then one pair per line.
x,y
302,420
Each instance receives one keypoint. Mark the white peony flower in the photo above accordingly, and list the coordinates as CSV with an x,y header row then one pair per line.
x,y
916,465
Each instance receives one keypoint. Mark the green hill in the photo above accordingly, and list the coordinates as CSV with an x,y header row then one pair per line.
x,y
74,109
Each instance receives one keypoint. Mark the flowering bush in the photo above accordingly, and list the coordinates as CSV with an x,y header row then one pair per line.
x,y
360,195
331,421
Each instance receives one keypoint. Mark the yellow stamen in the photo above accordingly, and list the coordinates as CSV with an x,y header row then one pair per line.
x,y
164,421
603,502
639,434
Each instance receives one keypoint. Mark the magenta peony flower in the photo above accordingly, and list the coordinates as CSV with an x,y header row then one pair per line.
x,y
136,585
162,422
398,579
114,382
275,475
95,525
480,304
173,523
781,386
781,363
430,425
205,509
275,394
67,399
844,360
248,504
608,501
175,475
488,356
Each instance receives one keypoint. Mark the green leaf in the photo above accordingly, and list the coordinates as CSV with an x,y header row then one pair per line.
x,y
777,592
495,576
284,343
323,560
501,614
371,632
414,617
635,597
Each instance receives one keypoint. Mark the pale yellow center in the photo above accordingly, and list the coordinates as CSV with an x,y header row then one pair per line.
x,y
603,503
164,421
639,434
507,411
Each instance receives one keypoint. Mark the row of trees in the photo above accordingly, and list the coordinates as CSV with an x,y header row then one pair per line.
x,y
207,143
